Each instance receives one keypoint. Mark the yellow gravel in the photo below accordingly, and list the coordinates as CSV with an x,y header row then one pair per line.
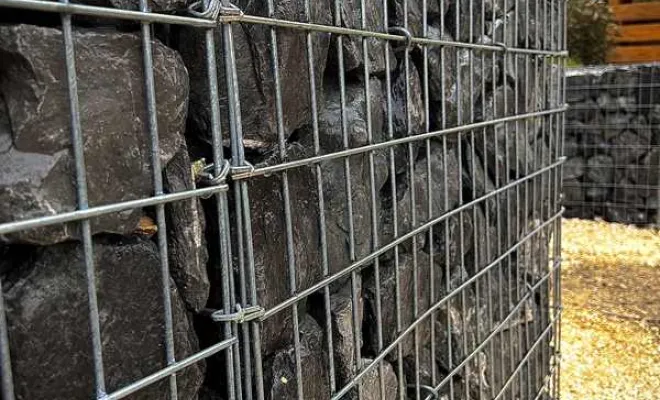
x,y
611,319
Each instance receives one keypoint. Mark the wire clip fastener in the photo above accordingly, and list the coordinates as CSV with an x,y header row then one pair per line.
x,y
242,171
402,31
205,176
241,315
215,10
432,393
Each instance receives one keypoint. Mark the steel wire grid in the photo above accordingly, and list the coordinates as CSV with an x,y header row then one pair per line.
x,y
612,144
439,294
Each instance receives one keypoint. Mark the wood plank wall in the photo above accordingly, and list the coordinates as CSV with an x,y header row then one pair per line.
x,y
638,39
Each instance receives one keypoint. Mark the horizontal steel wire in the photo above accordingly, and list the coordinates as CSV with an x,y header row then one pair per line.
x,y
538,341
265,171
169,370
106,12
437,305
92,212
390,246
500,327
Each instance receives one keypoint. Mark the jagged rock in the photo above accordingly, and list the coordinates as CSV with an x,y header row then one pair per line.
x,y
572,190
451,71
269,243
457,326
186,248
256,81
507,147
441,164
428,369
618,213
37,178
477,181
600,169
571,147
625,191
630,147
404,87
341,314
389,302
280,380
335,176
48,321
416,14
351,17
370,384
574,168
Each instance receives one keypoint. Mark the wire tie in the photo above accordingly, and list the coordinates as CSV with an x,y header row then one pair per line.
x,y
503,46
215,10
241,315
402,31
432,393
206,177
242,171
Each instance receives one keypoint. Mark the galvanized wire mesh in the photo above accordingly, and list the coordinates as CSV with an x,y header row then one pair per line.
x,y
612,144
381,195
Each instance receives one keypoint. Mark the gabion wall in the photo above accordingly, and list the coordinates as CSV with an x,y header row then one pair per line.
x,y
613,144
280,199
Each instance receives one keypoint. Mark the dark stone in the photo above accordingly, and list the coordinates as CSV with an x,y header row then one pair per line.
x,y
427,367
625,191
280,380
404,87
593,140
416,14
38,171
630,147
47,314
641,126
341,314
441,164
572,191
185,235
462,8
617,213
583,112
571,147
350,15
334,173
613,124
446,66
574,168
370,384
269,238
507,147
462,329
596,193
600,169
406,295
256,81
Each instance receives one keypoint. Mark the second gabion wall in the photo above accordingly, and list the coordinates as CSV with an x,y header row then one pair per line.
x,y
612,144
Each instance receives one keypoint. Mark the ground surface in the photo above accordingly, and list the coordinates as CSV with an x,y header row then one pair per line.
x,y
611,319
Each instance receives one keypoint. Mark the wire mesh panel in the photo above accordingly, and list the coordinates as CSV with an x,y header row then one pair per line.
x,y
329,199
401,191
612,144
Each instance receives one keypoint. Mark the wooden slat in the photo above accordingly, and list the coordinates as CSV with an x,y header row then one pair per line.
x,y
637,12
638,33
635,54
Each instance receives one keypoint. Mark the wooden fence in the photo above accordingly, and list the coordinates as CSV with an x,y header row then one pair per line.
x,y
638,38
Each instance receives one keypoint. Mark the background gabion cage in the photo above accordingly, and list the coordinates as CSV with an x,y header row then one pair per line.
x,y
281,199
613,144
